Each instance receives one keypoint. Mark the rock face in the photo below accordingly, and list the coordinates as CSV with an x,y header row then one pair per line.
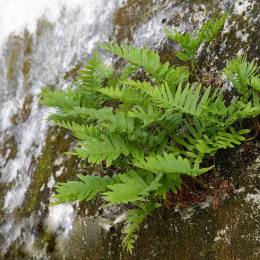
x,y
48,52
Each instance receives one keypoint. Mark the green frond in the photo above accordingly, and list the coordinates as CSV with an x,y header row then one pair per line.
x,y
59,99
88,188
127,95
151,115
145,58
82,132
93,77
131,188
136,218
176,76
110,147
171,165
241,74
117,121
221,140
190,44
181,101
220,115
210,32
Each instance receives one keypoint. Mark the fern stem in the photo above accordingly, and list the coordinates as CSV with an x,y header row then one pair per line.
x,y
215,172
213,54
167,129
206,186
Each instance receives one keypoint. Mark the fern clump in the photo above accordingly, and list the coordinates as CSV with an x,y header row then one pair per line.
x,y
163,128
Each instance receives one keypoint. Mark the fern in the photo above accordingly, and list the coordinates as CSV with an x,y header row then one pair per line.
x,y
93,78
78,190
182,101
158,130
137,217
171,165
242,75
190,44
110,148
145,58
132,188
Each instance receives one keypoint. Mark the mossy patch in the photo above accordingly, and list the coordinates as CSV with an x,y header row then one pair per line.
x,y
43,27
129,16
55,144
24,112
9,149
73,73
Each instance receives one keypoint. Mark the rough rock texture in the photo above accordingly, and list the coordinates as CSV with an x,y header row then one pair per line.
x,y
31,152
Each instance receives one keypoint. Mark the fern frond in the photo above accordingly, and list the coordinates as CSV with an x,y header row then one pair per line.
x,y
221,116
145,58
110,148
190,44
114,122
131,188
60,99
151,115
241,74
176,76
78,190
136,218
93,77
182,101
210,32
171,165
127,95
82,132
221,140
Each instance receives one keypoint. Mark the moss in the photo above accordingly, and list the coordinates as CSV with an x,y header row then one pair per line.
x,y
129,16
9,148
55,144
74,72
12,64
43,26
24,112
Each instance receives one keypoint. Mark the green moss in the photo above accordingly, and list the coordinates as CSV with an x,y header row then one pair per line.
x,y
129,16
24,112
43,26
74,72
55,144
12,64
9,148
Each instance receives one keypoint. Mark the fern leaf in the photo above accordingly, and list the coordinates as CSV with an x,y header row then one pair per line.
x,y
171,165
131,188
183,101
110,148
211,31
93,77
153,114
145,58
190,44
60,99
240,73
136,218
78,190
82,132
